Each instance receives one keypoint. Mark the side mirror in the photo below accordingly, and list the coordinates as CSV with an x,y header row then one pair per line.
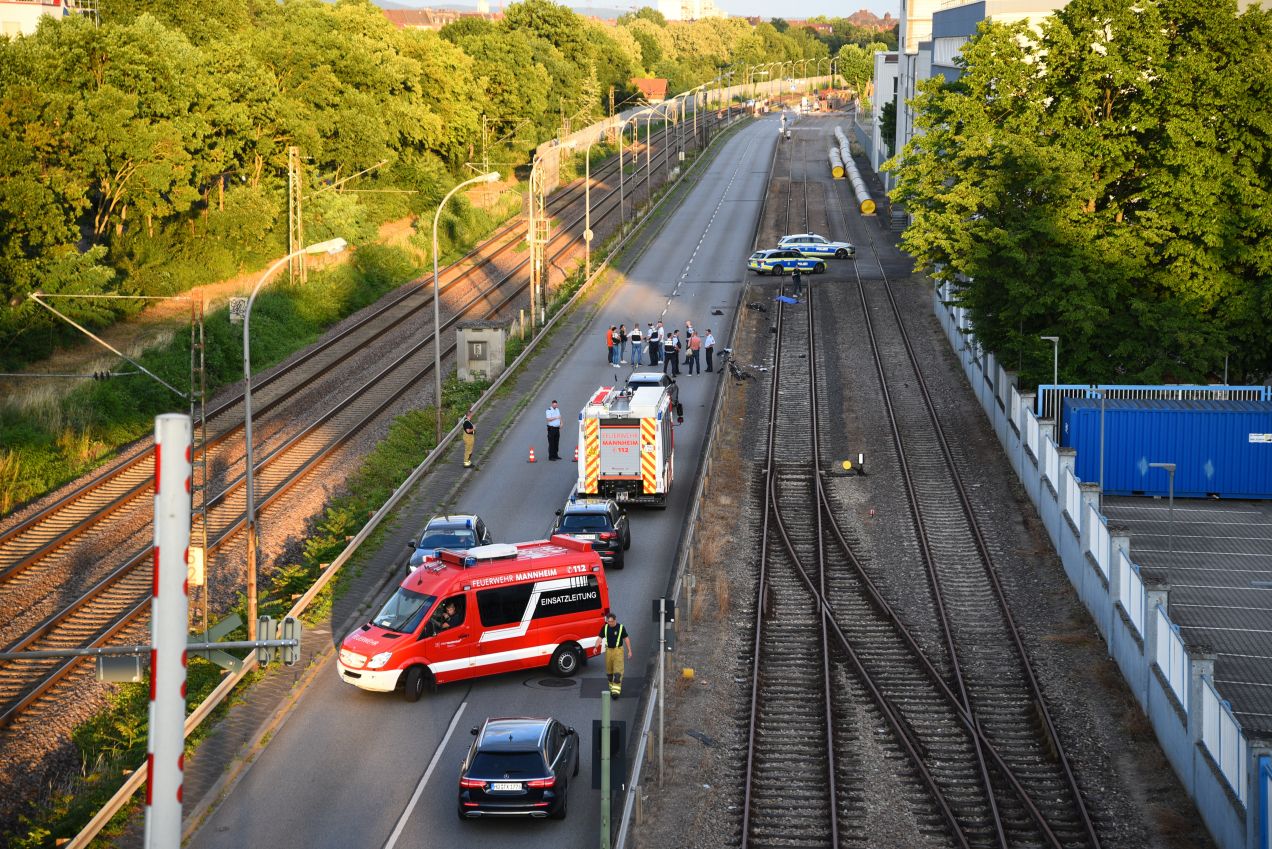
x,y
414,543
558,512
476,731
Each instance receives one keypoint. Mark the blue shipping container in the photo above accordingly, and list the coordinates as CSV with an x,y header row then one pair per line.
x,y
1219,448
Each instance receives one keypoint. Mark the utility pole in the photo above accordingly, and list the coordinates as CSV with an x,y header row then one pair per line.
x,y
295,219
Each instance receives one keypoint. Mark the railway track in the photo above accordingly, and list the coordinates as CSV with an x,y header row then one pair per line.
x,y
985,772
121,597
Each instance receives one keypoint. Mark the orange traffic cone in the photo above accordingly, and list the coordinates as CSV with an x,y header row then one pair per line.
x,y
531,460
576,453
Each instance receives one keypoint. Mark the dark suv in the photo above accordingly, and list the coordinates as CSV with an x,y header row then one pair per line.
x,y
518,767
599,521
455,532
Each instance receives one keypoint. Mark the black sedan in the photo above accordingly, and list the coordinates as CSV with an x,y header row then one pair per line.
x,y
599,521
518,767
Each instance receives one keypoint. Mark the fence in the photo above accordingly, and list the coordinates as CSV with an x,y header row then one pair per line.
x,y
1132,598
1223,738
1172,657
1198,732
1051,396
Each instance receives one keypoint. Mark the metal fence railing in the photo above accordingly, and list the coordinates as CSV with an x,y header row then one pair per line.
x,y
1132,600
1172,657
1098,539
1072,497
1051,396
1051,462
1222,737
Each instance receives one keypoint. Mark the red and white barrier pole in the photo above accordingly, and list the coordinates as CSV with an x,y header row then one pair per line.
x,y
168,625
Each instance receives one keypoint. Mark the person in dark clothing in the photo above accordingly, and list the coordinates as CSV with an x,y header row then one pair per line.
x,y
554,431
470,438
671,354
708,345
797,283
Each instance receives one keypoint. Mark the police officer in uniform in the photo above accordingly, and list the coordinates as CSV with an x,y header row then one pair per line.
x,y
614,638
554,431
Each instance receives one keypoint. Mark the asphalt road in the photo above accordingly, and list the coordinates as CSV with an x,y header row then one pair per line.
x,y
356,769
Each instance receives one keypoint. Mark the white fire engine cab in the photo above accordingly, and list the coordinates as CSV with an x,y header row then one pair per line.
x,y
626,441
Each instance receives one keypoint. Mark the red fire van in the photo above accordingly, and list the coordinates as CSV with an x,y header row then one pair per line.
x,y
494,608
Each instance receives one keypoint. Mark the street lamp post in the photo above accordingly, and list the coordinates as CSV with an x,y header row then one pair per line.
x,y
1170,514
1055,373
437,317
332,246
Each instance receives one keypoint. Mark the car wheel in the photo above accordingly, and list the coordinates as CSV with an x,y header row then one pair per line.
x,y
779,270
565,661
416,677
618,560
462,818
842,253
559,813
627,541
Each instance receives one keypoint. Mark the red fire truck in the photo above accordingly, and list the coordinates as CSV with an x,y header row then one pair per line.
x,y
494,608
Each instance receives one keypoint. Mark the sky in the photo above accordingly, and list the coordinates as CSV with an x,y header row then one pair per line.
x,y
795,9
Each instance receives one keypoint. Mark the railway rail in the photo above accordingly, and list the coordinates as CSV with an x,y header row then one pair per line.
x,y
986,771
121,598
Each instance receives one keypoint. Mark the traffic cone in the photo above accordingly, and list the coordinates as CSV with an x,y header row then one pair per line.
x,y
531,460
576,453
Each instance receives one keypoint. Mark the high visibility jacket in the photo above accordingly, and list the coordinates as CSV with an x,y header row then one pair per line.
x,y
613,637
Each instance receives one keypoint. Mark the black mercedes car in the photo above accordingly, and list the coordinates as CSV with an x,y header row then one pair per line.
x,y
599,521
518,766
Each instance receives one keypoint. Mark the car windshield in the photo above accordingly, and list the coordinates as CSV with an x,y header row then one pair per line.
x,y
404,611
448,538
507,765
758,255
584,522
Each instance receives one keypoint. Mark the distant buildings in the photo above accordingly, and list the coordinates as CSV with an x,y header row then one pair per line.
x,y
931,36
21,17
653,89
690,10
435,19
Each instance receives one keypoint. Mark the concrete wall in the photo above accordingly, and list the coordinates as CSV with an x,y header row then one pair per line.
x,y
1111,592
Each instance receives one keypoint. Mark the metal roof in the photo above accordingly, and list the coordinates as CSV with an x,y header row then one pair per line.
x,y
1218,563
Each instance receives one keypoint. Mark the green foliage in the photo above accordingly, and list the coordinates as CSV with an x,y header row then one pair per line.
x,y
1102,181
76,433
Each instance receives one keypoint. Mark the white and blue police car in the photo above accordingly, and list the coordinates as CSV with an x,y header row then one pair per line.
x,y
811,244
783,261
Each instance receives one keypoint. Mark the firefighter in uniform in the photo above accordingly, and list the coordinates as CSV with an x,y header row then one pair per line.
x,y
614,638
470,438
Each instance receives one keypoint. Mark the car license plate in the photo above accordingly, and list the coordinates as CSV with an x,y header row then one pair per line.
x,y
506,785
624,495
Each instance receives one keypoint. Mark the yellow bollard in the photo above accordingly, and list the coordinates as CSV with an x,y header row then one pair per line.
x,y
687,673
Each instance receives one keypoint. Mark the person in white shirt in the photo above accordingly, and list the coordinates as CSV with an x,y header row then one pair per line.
x,y
708,345
554,431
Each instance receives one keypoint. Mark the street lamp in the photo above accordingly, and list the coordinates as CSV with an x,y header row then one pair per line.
x,y
437,319
1055,372
1170,515
331,246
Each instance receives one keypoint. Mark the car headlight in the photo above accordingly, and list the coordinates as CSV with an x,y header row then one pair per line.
x,y
379,660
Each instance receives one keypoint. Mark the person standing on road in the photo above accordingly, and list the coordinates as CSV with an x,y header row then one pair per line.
x,y
614,638
708,345
671,354
695,345
797,283
638,344
654,340
622,343
470,438
609,345
554,431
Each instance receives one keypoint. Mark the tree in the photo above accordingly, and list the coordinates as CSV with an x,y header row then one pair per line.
x,y
1082,180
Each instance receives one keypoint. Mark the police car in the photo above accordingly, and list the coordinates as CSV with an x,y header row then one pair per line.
x,y
810,244
783,261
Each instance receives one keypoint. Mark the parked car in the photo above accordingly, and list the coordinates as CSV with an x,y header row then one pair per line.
x,y
518,766
456,532
599,521
811,244
784,261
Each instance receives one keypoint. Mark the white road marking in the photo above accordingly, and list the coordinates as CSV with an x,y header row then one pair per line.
x,y
419,790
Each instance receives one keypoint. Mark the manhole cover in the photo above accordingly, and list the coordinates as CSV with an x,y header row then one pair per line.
x,y
551,683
